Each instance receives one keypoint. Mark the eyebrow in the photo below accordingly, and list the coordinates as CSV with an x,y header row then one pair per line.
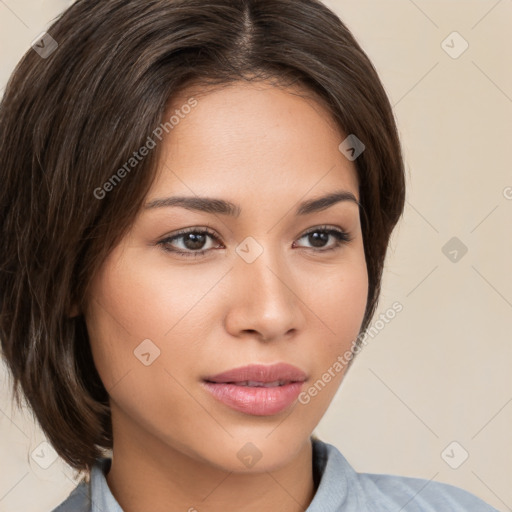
x,y
223,207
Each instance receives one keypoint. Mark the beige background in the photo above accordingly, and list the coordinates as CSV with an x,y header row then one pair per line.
x,y
438,372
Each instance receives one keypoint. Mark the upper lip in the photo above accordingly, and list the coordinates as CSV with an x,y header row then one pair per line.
x,y
260,373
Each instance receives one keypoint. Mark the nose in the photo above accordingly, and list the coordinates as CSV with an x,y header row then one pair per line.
x,y
264,299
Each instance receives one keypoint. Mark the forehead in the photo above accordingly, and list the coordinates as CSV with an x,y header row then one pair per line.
x,y
253,137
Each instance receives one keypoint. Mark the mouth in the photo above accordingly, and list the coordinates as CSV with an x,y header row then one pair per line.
x,y
255,384
260,375
258,390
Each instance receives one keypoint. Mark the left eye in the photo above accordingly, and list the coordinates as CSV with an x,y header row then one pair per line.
x,y
193,240
320,235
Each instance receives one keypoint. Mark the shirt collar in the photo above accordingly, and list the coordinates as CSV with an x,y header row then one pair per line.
x,y
101,497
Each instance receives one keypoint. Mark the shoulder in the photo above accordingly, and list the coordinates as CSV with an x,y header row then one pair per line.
x,y
419,495
342,485
78,501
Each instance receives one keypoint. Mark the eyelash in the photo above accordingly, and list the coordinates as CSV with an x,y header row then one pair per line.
x,y
342,237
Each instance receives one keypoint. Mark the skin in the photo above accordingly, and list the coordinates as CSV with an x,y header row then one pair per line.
x,y
175,446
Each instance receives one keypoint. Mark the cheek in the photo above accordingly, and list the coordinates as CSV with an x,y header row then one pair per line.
x,y
338,304
146,300
129,315
133,302
340,298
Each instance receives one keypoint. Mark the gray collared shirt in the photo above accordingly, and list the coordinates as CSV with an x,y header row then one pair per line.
x,y
339,489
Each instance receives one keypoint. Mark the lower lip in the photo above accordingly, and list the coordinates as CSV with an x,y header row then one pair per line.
x,y
258,401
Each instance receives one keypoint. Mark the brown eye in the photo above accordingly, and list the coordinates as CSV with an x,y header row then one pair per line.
x,y
192,242
319,237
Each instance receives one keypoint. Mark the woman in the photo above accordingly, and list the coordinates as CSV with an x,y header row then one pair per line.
x,y
196,205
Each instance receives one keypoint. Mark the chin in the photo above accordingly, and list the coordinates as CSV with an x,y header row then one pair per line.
x,y
253,453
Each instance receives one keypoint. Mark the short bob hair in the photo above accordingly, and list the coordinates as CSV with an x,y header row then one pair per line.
x,y
71,118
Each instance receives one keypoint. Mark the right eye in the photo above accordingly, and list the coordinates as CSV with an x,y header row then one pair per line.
x,y
192,239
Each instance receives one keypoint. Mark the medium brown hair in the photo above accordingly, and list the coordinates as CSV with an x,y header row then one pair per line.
x,y
70,120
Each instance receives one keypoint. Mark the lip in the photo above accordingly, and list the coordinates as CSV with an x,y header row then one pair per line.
x,y
260,373
228,388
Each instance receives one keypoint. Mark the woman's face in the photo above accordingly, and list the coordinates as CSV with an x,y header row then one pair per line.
x,y
265,290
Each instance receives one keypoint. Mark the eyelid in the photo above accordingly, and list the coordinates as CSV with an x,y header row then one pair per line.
x,y
327,227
